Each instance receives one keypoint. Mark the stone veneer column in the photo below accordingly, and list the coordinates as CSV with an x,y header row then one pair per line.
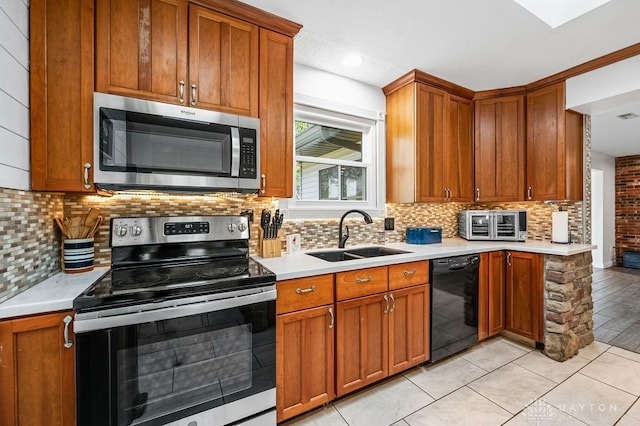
x,y
568,306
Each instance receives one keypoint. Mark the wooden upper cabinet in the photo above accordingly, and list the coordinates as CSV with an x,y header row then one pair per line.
x,y
276,114
223,63
37,370
141,49
500,149
554,162
170,51
61,86
429,144
459,150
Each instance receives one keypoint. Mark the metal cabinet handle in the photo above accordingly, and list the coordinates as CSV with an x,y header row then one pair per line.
x,y
411,272
477,194
86,167
263,183
363,280
508,258
67,320
194,99
305,290
386,299
181,91
529,193
331,313
393,299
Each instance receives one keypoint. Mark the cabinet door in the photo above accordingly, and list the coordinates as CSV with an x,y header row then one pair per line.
x,y
500,149
304,360
223,63
497,288
546,143
37,377
276,114
430,140
141,49
361,342
61,83
408,328
524,294
458,161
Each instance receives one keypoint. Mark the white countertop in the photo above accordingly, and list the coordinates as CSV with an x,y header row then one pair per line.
x,y
53,294
302,265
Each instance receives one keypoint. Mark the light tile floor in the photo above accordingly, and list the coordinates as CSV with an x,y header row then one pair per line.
x,y
503,382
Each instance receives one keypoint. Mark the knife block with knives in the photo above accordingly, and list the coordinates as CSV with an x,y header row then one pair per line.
x,y
269,243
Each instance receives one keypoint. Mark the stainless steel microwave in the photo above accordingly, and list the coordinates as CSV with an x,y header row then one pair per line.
x,y
141,144
499,225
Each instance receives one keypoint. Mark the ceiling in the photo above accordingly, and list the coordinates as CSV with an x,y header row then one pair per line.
x,y
477,44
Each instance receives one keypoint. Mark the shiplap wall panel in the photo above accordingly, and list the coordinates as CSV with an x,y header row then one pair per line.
x,y
14,94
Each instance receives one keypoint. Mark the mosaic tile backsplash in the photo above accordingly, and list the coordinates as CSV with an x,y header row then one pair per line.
x,y
29,239
315,233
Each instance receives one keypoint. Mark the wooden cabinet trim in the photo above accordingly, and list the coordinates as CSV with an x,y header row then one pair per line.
x,y
417,76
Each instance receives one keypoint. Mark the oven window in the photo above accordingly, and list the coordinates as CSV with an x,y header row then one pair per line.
x,y
145,143
166,370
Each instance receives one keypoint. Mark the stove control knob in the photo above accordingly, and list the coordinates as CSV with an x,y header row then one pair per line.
x,y
242,227
232,227
121,231
136,230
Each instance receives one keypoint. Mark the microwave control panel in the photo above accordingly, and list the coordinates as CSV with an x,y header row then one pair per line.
x,y
248,157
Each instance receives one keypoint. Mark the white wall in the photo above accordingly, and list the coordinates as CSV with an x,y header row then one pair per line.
x,y
607,164
324,86
14,94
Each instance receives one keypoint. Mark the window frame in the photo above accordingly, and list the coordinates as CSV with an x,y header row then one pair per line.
x,y
372,125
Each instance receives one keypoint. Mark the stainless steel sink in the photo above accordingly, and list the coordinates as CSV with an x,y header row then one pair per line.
x,y
356,253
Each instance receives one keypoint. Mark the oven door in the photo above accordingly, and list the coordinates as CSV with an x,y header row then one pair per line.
x,y
480,225
506,226
216,363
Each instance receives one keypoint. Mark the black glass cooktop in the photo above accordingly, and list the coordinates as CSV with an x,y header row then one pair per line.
x,y
133,285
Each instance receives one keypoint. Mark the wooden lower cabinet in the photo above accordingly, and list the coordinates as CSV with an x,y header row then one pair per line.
x,y
362,342
37,371
304,360
491,294
524,287
408,328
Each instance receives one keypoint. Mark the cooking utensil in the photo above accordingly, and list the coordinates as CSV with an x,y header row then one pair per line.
x,y
89,222
63,227
95,227
75,227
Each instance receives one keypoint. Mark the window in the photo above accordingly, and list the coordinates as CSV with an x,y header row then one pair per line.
x,y
335,163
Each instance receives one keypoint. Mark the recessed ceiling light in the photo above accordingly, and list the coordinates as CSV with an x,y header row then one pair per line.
x,y
352,61
627,116
557,12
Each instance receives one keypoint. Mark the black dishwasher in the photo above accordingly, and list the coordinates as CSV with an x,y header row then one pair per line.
x,y
454,304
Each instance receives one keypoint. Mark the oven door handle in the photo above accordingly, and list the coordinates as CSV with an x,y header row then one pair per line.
x,y
100,320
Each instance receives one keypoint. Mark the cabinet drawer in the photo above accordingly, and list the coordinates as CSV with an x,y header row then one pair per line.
x,y
362,282
303,293
408,274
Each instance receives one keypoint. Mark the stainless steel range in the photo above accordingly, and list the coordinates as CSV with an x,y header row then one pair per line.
x,y
181,331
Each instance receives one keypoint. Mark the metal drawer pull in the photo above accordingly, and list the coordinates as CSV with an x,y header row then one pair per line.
x,y
363,280
529,192
181,91
393,299
194,99
67,320
331,313
407,273
263,183
477,194
508,258
386,299
86,167
305,290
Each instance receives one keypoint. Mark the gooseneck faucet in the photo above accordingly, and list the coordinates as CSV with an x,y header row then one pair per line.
x,y
343,238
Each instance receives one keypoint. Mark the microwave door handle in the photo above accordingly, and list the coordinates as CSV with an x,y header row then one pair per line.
x,y
492,226
235,152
